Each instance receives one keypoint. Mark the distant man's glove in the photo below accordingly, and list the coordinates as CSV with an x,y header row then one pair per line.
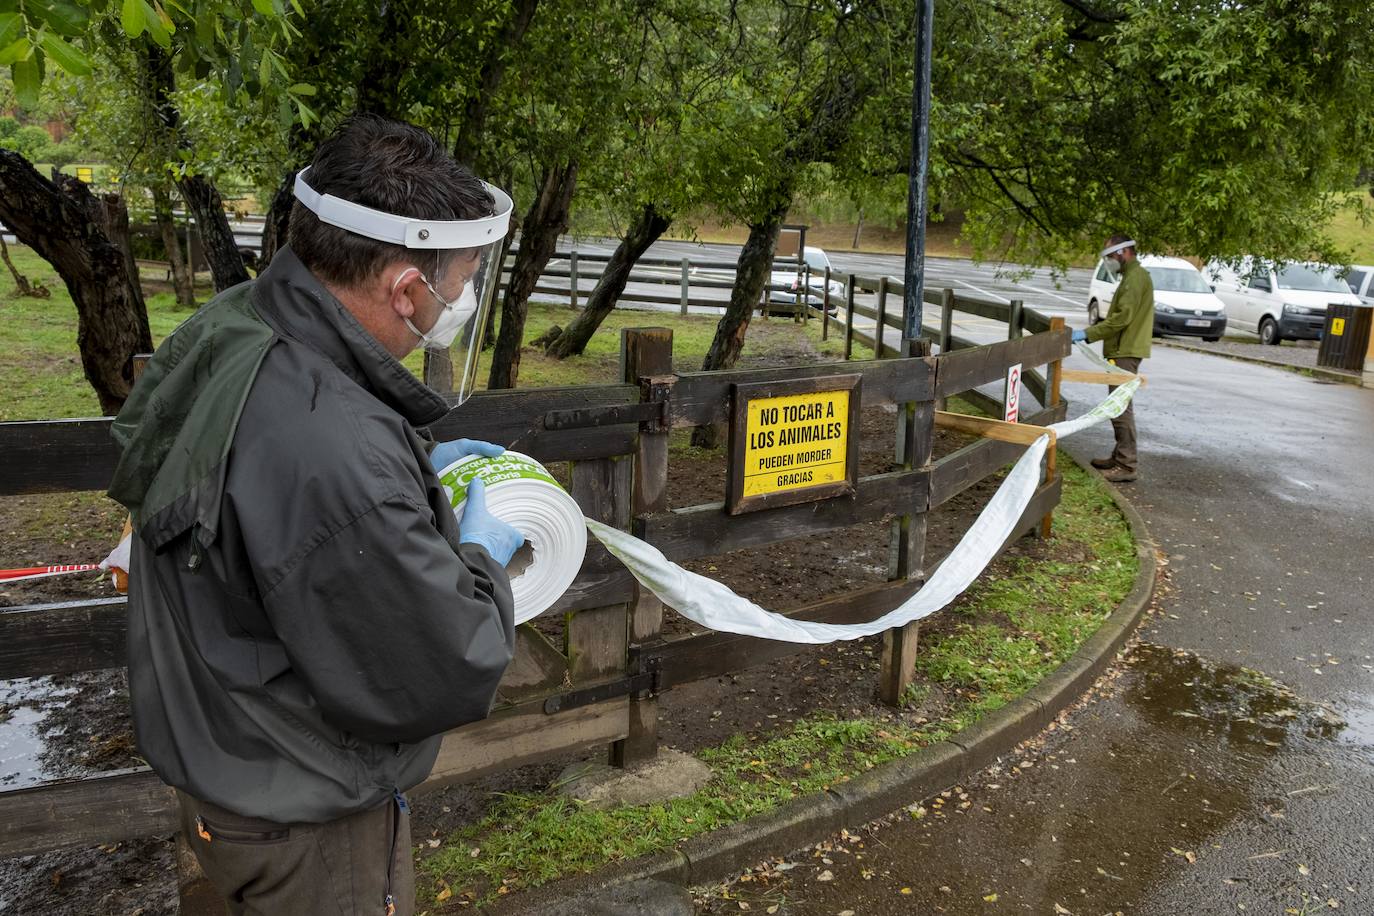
x,y
445,453
481,527
1078,337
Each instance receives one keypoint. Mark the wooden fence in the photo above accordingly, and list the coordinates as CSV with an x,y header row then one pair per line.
x,y
599,686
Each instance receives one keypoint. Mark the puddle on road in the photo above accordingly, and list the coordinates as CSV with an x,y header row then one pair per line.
x,y
24,704
1172,751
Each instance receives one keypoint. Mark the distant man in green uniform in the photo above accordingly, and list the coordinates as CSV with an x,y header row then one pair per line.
x,y
1125,335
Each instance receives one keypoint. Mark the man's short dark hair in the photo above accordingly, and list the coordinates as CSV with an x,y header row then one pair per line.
x,y
390,166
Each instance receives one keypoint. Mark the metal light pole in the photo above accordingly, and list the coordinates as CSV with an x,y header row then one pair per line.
x,y
916,188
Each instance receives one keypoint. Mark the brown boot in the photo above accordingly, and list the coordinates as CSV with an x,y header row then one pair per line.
x,y
1103,464
1119,474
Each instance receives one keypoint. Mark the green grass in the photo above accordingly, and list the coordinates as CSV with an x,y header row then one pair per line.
x,y
1012,630
41,372
1350,231
42,376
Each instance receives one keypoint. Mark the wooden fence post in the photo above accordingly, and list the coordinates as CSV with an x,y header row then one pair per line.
x,y
882,318
594,639
915,440
686,284
1052,400
572,279
849,318
645,352
825,307
946,330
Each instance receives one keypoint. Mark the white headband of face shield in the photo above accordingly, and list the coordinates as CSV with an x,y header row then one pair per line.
x,y
433,234
1121,246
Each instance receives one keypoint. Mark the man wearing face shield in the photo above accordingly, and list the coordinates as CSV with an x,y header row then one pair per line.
x,y
306,617
1125,334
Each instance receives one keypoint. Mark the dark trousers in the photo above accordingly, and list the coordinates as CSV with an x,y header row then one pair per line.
x,y
1124,425
347,867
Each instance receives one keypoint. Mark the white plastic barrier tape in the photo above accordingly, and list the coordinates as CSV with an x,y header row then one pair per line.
x,y
523,491
523,494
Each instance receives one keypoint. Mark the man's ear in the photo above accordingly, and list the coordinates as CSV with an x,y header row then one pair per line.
x,y
404,281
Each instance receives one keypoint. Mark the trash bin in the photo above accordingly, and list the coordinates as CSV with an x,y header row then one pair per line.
x,y
1345,339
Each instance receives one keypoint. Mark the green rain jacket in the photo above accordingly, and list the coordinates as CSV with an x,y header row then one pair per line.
x,y
1127,328
303,621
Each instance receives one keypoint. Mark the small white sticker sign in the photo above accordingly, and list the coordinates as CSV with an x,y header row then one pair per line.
x,y
1012,398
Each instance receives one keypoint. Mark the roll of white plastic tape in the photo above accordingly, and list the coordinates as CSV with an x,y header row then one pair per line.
x,y
521,493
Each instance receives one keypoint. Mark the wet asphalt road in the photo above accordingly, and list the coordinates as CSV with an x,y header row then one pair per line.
x,y
1185,784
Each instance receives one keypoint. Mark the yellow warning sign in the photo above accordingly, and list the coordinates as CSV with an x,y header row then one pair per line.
x,y
1337,327
796,441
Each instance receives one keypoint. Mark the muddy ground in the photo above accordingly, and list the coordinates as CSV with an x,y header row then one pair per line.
x,y
85,725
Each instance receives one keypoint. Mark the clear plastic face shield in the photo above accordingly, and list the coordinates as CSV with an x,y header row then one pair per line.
x,y
457,261
1112,264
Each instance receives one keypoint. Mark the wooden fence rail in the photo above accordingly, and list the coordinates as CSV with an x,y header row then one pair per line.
x,y
612,630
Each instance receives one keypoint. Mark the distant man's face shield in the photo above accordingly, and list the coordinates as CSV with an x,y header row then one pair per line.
x,y
462,268
1113,249
1109,255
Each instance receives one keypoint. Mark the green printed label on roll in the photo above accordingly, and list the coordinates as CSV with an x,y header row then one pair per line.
x,y
501,469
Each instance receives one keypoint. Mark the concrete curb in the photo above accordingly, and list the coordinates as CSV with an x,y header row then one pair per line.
x,y
884,789
1320,372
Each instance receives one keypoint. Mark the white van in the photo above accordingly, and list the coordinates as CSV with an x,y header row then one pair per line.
x,y
1361,282
1184,303
1286,301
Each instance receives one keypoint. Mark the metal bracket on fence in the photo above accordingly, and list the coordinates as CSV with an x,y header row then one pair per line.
x,y
647,681
651,413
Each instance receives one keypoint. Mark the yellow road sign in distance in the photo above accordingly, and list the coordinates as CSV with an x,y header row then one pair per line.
x,y
1337,327
796,441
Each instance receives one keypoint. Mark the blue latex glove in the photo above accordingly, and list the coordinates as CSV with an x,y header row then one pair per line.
x,y
1080,336
481,527
445,453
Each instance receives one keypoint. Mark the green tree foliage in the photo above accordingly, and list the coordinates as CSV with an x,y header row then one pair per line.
x,y
1205,128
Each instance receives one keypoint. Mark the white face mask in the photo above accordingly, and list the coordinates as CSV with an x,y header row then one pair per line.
x,y
1113,266
452,319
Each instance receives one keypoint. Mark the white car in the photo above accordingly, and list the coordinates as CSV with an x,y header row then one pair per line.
x,y
784,285
1361,282
1184,303
1279,301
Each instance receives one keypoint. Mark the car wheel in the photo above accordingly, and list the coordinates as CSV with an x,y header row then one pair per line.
x,y
1093,315
1269,332
1211,339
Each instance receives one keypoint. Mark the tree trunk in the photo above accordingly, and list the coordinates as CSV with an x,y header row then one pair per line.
x,y
112,216
221,250
62,222
499,51
22,284
489,333
182,281
648,225
546,220
200,194
276,231
752,272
